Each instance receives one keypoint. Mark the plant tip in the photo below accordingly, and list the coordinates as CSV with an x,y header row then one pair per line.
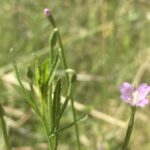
x,y
47,12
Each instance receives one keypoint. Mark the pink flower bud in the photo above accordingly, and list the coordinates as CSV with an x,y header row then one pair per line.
x,y
50,17
47,12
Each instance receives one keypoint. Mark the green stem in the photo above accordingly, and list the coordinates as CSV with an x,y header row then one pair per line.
x,y
50,108
66,67
66,102
72,103
47,134
76,124
4,129
129,129
62,50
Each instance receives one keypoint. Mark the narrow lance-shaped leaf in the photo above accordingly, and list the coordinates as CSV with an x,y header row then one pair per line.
x,y
56,101
27,97
65,103
2,113
32,91
49,88
4,129
20,82
53,38
54,67
37,73
83,118
44,77
50,77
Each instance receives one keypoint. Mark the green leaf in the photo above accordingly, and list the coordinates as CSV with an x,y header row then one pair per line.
x,y
66,101
83,118
2,113
44,71
56,101
53,38
30,73
37,73
28,98
54,67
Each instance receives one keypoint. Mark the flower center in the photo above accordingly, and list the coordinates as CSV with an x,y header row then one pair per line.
x,y
135,97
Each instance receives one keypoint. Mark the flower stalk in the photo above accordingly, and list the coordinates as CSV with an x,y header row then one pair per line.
x,y
129,129
134,97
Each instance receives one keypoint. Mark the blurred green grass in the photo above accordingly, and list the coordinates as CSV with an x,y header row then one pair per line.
x,y
108,40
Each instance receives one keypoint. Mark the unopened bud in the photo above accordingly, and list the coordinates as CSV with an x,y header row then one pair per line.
x,y
47,12
51,19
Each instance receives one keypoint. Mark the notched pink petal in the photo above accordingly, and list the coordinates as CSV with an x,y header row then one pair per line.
x,y
126,91
143,90
142,103
124,99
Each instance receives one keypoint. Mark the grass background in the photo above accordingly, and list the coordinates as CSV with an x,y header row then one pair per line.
x,y
106,42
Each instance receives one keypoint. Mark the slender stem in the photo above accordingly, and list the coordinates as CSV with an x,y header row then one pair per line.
x,y
50,106
129,129
76,124
62,50
66,102
66,67
5,133
72,103
46,131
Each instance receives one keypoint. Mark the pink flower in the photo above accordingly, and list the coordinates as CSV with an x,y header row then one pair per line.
x,y
135,96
